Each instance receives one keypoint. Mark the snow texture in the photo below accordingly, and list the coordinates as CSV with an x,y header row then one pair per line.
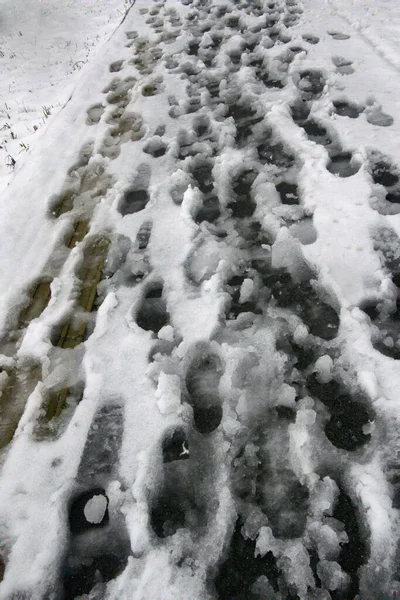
x,y
200,301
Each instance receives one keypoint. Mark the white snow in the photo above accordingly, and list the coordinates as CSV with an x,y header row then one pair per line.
x,y
243,365
95,509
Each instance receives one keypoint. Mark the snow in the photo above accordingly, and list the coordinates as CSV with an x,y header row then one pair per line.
x,y
95,509
199,314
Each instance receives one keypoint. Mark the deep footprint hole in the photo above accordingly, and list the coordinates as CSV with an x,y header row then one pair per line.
x,y
343,165
152,314
89,510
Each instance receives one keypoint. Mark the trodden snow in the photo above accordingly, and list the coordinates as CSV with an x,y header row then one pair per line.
x,y
200,306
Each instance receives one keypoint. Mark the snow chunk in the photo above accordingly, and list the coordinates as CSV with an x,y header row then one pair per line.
x,y
246,290
166,333
331,575
168,393
323,369
95,509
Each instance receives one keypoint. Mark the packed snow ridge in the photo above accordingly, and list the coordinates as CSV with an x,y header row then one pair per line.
x,y
199,315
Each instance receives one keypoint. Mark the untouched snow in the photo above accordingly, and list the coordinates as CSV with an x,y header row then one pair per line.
x,y
44,46
200,303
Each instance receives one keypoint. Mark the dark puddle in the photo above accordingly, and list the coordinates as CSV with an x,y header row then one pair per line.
x,y
243,205
242,568
152,314
202,381
348,416
288,193
343,165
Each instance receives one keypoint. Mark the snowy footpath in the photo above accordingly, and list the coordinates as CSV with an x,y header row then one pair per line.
x,y
200,315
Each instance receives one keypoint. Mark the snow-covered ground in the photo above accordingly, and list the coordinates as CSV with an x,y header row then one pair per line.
x,y
44,46
200,308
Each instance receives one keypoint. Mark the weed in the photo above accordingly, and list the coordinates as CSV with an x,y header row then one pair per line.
x,y
10,161
46,111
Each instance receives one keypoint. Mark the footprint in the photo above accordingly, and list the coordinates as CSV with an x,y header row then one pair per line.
x,y
316,133
152,88
72,333
116,66
177,504
275,154
338,36
202,382
288,193
343,65
175,445
375,116
94,114
201,171
89,510
349,417
152,313
382,172
62,203
321,319
343,165
100,455
243,205
58,408
119,91
143,235
311,39
39,295
99,546
243,567
269,81
131,35
210,210
137,197
386,319
244,117
241,300
346,109
310,82
156,147
354,553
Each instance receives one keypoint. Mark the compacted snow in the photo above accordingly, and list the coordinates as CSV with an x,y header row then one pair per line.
x,y
199,313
